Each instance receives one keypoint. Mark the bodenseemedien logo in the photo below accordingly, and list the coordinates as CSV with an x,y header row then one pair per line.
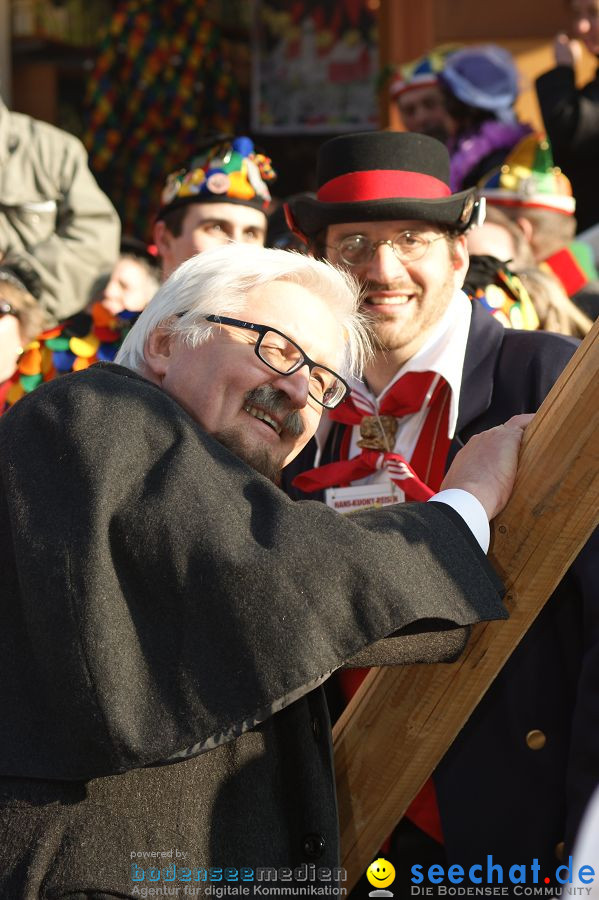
x,y
381,874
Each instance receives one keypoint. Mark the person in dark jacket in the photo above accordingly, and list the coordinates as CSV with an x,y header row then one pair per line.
x,y
571,114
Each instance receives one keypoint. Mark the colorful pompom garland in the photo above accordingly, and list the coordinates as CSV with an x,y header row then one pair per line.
x,y
72,346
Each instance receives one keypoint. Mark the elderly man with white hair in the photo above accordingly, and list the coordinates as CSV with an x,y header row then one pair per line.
x,y
169,614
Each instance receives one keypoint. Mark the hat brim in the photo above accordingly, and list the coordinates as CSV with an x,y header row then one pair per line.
x,y
312,216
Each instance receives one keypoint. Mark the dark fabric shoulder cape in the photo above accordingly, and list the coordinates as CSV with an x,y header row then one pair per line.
x,y
159,597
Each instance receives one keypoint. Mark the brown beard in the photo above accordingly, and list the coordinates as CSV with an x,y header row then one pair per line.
x,y
392,337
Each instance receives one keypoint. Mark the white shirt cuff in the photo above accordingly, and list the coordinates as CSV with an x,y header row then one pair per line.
x,y
471,510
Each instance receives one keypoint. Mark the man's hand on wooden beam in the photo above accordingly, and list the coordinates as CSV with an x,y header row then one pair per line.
x,y
486,466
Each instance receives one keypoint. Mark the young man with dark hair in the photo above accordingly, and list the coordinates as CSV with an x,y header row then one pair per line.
x,y
221,196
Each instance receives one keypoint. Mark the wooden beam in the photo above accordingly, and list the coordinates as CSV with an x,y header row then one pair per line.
x,y
408,716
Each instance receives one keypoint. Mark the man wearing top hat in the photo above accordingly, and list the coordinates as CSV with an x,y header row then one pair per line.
x,y
516,779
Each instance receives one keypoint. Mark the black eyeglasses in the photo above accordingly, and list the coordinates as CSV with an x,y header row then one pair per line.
x,y
284,356
408,246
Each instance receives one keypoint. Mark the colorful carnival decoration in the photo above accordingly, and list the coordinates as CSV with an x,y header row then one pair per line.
x,y
502,293
529,178
230,171
160,83
420,72
74,345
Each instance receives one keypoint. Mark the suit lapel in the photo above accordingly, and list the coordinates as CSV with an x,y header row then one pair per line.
x,y
482,349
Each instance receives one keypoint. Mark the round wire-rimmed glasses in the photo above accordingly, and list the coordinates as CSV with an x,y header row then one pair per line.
x,y
6,309
282,355
408,246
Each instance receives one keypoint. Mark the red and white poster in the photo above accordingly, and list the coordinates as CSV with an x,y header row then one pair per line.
x,y
315,66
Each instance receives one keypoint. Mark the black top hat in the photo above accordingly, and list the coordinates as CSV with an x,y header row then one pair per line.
x,y
378,175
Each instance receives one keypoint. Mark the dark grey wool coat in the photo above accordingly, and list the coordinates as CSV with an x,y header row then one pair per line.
x,y
167,616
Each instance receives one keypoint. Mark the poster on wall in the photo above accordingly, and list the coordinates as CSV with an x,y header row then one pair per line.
x,y
315,65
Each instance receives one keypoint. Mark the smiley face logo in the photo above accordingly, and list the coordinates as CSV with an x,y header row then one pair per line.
x,y
380,873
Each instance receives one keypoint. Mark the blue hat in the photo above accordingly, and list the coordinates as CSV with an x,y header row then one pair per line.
x,y
484,77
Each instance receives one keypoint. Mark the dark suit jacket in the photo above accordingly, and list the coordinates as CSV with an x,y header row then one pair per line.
x,y
167,616
496,795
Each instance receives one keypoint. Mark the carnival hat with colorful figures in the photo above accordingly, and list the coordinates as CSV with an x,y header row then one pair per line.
x,y
228,172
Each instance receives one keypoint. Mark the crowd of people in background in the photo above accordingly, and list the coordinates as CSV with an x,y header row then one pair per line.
x,y
495,249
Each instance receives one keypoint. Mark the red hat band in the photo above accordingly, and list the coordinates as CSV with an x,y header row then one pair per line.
x,y
382,184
